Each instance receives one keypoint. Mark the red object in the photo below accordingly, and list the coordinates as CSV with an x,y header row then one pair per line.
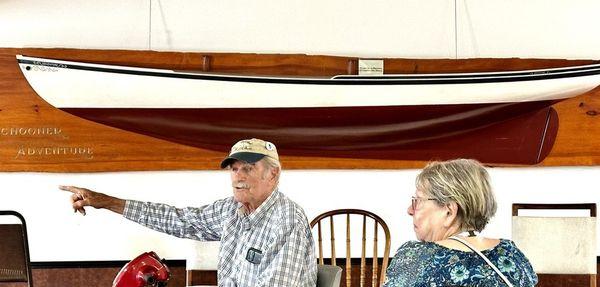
x,y
143,271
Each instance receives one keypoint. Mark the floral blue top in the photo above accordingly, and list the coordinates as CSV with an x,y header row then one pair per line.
x,y
429,264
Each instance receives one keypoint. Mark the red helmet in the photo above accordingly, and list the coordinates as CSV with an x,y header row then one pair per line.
x,y
143,271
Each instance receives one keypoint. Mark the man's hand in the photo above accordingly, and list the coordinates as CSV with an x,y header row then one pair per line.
x,y
84,197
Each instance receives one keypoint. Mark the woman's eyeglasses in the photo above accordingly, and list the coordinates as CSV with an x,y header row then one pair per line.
x,y
416,200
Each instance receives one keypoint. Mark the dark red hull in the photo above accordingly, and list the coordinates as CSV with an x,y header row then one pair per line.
x,y
515,133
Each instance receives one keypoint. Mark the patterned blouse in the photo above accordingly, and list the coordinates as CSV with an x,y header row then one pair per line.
x,y
429,264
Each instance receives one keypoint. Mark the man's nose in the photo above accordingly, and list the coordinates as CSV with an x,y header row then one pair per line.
x,y
410,210
238,174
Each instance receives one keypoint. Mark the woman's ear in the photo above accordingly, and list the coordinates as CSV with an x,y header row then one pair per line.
x,y
451,214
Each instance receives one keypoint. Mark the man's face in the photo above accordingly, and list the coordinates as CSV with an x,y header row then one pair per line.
x,y
252,183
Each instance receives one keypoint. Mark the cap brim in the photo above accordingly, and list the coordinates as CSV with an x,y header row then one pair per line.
x,y
248,157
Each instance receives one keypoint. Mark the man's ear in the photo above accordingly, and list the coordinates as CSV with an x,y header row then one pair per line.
x,y
274,172
451,213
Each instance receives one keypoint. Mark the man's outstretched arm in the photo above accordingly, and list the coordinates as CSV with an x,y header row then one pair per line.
x,y
82,197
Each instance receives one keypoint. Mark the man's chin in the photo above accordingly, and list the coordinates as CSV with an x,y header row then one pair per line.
x,y
238,196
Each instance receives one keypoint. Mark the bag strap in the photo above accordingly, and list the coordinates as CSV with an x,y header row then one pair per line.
x,y
484,258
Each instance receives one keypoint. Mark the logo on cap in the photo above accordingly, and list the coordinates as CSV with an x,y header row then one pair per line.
x,y
269,146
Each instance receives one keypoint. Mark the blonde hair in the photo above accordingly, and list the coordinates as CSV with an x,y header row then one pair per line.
x,y
464,181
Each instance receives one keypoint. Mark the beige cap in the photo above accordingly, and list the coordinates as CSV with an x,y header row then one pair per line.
x,y
250,151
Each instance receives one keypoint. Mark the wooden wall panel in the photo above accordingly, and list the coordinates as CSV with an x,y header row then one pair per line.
x,y
35,136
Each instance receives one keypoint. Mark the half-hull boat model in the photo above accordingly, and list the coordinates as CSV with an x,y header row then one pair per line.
x,y
496,117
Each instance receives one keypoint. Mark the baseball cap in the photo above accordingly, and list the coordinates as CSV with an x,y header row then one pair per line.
x,y
250,151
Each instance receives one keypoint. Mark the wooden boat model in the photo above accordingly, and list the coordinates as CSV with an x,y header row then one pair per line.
x,y
496,117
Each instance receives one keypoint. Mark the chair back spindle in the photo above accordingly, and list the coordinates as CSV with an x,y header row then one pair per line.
x,y
332,234
348,255
375,262
320,244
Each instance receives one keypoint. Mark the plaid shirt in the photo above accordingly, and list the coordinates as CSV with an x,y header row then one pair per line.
x,y
278,228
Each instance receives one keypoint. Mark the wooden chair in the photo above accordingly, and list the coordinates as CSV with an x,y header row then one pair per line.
x,y
201,265
377,274
15,268
329,276
561,249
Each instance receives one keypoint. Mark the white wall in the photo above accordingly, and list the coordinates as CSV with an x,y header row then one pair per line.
x,y
56,233
389,28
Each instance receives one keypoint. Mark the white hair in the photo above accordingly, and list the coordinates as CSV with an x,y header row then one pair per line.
x,y
270,164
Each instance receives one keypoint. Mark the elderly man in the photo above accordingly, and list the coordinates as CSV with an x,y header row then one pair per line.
x,y
265,237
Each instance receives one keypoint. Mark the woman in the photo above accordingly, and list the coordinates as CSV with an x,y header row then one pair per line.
x,y
454,200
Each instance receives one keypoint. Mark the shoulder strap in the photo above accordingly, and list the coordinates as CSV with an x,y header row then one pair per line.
x,y
484,258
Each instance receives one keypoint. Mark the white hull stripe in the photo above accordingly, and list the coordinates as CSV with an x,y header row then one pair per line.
x,y
66,84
